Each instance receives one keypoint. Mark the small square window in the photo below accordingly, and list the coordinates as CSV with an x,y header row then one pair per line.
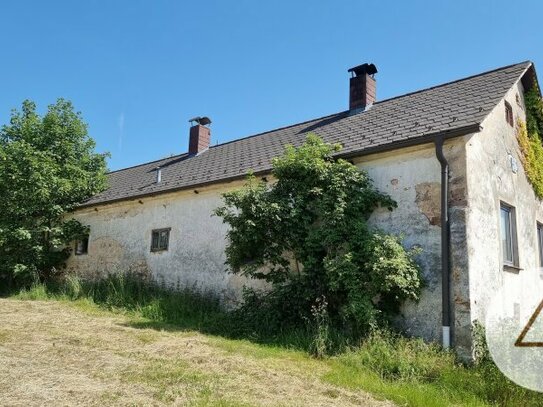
x,y
540,243
509,114
160,239
508,236
82,246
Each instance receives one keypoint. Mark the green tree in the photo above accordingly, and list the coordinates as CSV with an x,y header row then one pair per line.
x,y
47,167
307,235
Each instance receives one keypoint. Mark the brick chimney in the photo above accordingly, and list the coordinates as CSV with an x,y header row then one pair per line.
x,y
362,93
200,135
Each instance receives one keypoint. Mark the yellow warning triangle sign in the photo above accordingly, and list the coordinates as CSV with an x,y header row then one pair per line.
x,y
520,342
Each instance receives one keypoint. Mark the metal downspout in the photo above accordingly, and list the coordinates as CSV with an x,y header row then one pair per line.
x,y
445,264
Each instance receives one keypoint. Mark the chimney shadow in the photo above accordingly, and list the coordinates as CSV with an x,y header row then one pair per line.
x,y
324,122
172,161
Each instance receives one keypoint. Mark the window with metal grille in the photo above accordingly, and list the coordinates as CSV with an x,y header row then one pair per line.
x,y
160,239
82,246
509,114
508,235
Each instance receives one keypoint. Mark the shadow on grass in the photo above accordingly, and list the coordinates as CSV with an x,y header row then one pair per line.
x,y
149,306
299,340
159,326
228,325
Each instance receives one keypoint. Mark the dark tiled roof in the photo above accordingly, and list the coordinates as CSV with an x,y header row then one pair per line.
x,y
453,107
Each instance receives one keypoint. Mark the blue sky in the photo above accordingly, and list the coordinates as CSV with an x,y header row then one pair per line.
x,y
138,70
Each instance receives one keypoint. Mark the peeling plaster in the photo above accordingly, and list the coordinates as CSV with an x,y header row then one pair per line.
x,y
428,200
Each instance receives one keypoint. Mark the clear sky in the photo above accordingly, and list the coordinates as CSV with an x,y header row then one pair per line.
x,y
138,70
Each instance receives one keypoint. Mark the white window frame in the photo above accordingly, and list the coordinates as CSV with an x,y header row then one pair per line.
x,y
513,261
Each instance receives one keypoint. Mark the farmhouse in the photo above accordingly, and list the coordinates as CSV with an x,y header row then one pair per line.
x,y
448,155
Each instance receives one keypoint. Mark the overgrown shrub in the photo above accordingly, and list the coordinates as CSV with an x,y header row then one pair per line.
x,y
307,235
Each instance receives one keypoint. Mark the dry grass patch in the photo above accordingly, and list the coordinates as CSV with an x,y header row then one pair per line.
x,y
55,354
4,335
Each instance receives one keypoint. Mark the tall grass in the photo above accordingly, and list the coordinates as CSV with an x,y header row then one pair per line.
x,y
154,306
132,295
412,372
406,370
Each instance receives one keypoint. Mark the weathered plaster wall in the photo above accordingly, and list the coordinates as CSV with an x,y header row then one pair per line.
x,y
120,240
491,179
412,177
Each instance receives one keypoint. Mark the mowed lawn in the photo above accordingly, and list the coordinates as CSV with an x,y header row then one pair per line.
x,y
57,353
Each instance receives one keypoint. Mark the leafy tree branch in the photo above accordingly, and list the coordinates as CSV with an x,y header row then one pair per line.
x,y
47,167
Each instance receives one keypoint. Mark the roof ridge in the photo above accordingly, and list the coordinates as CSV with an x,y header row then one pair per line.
x,y
280,128
337,113
453,81
378,102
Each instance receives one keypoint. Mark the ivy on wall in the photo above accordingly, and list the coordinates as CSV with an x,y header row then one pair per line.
x,y
529,137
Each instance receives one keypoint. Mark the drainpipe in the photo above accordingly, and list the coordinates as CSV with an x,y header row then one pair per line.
x,y
445,265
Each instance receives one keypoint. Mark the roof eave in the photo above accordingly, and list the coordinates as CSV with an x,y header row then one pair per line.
x,y
427,138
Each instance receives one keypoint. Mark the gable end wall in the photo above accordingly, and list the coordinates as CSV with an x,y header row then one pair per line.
x,y
491,179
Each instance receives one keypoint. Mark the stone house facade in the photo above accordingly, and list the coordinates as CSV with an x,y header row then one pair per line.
x,y
454,140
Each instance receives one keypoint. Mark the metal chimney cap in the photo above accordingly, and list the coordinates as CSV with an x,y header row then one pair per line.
x,y
369,69
203,121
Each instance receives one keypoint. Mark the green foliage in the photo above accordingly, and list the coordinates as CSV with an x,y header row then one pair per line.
x,y
481,353
47,167
394,357
529,136
307,235
412,372
534,112
321,343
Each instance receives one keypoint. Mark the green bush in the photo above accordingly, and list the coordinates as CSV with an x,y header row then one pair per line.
x,y
307,235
